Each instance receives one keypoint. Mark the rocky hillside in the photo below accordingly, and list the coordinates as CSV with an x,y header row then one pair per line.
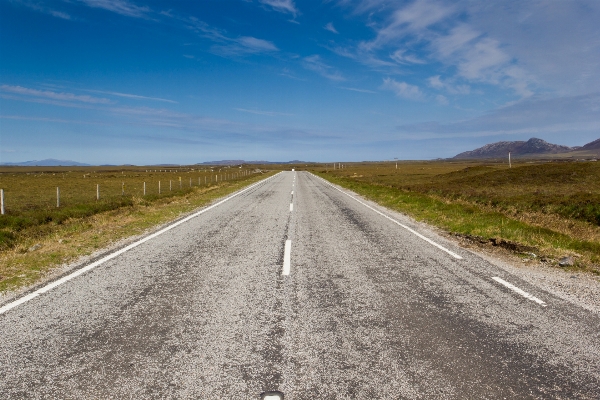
x,y
533,146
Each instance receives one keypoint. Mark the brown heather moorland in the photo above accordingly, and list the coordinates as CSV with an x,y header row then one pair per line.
x,y
550,209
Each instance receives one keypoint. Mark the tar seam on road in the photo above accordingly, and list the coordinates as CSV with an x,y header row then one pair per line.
x,y
286,257
453,254
117,253
520,291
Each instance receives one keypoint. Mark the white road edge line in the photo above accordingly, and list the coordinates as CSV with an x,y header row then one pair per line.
x,y
291,207
117,253
286,257
520,291
453,254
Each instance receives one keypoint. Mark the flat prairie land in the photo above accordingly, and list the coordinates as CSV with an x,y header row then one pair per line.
x,y
547,209
36,235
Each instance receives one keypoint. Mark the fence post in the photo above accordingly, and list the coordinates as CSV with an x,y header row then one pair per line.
x,y
158,187
170,185
190,182
97,191
144,188
123,189
57,197
2,201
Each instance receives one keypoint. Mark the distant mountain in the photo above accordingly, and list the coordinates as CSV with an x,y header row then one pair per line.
x,y
519,148
239,162
595,145
50,162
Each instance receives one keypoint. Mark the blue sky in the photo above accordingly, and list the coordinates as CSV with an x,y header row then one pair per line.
x,y
143,82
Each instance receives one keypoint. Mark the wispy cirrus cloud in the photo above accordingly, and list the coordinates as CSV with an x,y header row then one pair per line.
x,y
27,93
329,27
261,112
530,116
284,6
358,90
122,7
438,83
37,6
228,46
133,96
315,63
402,89
434,29
245,45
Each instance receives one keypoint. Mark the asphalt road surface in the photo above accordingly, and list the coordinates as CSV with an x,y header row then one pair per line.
x,y
294,285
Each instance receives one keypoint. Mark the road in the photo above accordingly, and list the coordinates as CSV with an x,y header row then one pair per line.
x,y
298,286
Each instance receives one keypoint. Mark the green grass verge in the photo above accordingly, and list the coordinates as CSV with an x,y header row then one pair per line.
x,y
474,221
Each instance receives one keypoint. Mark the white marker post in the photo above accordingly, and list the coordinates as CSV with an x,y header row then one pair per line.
x,y
123,189
2,201
509,164
57,197
170,185
144,188
158,187
97,191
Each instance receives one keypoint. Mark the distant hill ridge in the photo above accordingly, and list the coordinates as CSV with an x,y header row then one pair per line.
x,y
49,162
533,146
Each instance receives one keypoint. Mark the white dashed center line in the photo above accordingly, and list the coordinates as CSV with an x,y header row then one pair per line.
x,y
291,206
520,291
286,257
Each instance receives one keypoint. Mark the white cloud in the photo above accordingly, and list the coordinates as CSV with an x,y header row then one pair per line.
x,y
401,57
260,112
244,46
61,96
122,7
41,8
530,116
358,90
402,89
315,64
132,96
442,99
255,45
437,83
329,27
285,6
410,20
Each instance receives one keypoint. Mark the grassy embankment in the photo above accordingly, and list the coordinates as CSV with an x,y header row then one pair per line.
x,y
549,209
36,236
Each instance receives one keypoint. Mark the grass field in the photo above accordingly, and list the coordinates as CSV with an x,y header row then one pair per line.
x,y
31,192
36,236
548,208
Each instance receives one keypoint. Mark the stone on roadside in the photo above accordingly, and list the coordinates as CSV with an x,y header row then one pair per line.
x,y
566,261
35,247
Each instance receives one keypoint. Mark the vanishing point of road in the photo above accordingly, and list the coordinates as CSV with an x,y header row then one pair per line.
x,y
296,285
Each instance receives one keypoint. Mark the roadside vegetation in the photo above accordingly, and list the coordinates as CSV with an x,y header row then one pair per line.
x,y
36,235
541,210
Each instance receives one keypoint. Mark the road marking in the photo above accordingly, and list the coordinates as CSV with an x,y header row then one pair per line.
x,y
291,206
117,253
286,257
292,192
520,291
453,254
